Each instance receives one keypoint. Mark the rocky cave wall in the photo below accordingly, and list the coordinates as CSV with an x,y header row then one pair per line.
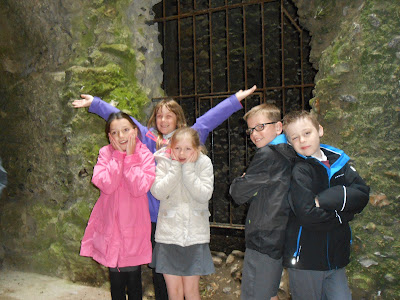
x,y
50,52
355,47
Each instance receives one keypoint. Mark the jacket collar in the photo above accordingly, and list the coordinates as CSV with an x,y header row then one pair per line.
x,y
280,139
336,155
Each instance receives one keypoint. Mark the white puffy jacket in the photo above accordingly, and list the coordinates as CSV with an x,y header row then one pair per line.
x,y
184,191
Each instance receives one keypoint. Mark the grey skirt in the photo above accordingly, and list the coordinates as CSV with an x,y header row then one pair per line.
x,y
182,261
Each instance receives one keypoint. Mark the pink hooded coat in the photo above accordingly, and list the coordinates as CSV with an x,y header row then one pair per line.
x,y
119,228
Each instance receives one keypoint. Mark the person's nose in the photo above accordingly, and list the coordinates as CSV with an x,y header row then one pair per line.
x,y
302,139
254,133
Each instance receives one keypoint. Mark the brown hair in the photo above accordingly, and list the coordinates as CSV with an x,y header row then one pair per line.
x,y
172,106
293,116
271,111
117,116
192,134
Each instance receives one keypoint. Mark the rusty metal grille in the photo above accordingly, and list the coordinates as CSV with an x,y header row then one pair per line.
x,y
211,49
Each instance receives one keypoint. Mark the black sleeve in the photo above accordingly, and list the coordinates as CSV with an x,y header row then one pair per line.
x,y
352,196
268,170
302,200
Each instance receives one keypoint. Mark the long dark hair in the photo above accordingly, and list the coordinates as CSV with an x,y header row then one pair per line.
x,y
117,116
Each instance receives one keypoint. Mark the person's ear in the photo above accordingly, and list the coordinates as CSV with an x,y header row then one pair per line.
x,y
321,131
278,127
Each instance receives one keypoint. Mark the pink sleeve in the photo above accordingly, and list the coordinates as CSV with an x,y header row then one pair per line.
x,y
108,171
139,171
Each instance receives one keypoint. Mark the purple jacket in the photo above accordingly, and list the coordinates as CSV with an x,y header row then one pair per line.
x,y
119,228
204,125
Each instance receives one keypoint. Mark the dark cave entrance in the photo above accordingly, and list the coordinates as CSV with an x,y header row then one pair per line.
x,y
211,49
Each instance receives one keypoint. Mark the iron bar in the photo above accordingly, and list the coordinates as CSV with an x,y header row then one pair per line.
x,y
211,10
200,93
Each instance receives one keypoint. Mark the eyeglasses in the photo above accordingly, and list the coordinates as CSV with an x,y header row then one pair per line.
x,y
259,127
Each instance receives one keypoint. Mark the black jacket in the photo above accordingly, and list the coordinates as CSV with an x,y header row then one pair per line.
x,y
265,187
318,238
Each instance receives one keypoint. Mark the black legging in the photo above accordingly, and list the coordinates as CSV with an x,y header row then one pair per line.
x,y
122,281
160,288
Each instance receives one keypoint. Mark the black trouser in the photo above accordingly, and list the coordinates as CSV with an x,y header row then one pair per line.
x,y
160,288
122,281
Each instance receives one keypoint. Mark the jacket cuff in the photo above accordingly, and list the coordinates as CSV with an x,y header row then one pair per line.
x,y
175,164
95,103
188,167
236,104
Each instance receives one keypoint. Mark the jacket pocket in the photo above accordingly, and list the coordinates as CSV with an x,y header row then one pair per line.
x,y
136,242
166,224
100,243
200,221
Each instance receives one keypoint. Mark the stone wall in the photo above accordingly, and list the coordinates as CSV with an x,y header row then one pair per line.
x,y
50,53
356,49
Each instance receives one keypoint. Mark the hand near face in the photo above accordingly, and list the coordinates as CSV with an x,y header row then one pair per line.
x,y
131,147
173,156
193,158
113,143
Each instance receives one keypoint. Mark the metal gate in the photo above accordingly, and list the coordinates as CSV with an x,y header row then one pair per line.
x,y
211,49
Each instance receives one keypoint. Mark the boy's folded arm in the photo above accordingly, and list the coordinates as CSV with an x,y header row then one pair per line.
x,y
341,198
302,201
351,197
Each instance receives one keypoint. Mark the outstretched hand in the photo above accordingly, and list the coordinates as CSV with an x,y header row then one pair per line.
x,y
243,94
84,102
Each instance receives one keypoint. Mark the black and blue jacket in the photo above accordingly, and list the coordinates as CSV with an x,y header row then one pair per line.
x,y
318,238
265,186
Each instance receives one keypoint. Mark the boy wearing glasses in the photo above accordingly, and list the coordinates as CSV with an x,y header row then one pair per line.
x,y
265,186
326,192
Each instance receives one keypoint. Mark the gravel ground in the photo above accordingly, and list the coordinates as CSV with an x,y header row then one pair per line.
x,y
16,285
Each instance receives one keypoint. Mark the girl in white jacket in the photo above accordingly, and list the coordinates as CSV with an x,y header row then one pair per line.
x,y
184,184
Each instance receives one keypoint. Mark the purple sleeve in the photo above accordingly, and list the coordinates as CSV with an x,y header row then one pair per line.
x,y
216,116
104,110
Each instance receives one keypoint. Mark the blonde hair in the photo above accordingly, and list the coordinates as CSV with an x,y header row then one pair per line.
x,y
190,133
172,106
271,111
293,116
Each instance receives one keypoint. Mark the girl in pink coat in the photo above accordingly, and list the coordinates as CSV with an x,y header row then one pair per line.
x,y
118,232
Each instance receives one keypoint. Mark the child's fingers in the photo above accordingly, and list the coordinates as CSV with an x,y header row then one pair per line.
x,y
243,94
193,157
84,102
131,144
87,97
114,143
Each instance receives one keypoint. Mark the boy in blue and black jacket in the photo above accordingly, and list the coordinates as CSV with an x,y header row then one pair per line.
x,y
265,187
325,194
